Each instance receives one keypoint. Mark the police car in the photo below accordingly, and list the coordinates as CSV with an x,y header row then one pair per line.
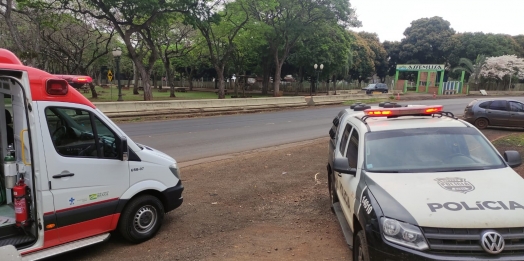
x,y
417,183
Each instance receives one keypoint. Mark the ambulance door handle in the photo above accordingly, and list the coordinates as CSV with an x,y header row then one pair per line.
x,y
63,175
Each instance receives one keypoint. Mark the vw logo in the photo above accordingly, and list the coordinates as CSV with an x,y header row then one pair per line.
x,y
492,242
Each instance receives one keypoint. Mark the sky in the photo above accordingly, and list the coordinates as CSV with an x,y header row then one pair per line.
x,y
389,18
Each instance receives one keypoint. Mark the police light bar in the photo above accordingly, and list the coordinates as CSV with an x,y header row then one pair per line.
x,y
403,111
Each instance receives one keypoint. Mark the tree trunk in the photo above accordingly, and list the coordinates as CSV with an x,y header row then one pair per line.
x,y
220,78
169,80
136,79
94,95
190,77
145,75
276,79
128,82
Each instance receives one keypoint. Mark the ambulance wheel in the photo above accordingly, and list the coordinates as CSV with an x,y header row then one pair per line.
x,y
360,248
141,219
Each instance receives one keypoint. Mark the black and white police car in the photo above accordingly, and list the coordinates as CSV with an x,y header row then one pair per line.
x,y
417,183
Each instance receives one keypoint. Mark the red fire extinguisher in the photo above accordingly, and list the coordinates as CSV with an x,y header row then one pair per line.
x,y
20,203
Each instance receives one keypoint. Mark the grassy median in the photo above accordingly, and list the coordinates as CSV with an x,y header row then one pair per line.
x,y
111,94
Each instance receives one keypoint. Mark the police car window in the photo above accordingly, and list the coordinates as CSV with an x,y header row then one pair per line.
x,y
429,150
344,140
352,152
73,134
498,105
516,106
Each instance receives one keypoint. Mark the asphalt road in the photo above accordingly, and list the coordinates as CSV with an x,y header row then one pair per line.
x,y
196,138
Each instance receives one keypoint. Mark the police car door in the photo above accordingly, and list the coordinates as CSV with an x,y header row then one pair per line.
x,y
347,184
86,176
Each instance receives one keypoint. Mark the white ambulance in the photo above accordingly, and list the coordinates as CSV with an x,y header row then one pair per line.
x,y
70,175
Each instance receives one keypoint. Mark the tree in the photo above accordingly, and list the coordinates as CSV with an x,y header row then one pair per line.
x,y
363,59
473,69
23,21
175,40
393,50
519,39
219,30
244,56
427,41
380,56
503,66
133,19
291,20
470,45
77,41
331,45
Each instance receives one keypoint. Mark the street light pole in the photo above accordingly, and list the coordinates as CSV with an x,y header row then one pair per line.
x,y
318,75
117,52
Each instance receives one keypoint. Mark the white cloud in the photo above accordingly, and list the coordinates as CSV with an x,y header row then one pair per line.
x,y
389,18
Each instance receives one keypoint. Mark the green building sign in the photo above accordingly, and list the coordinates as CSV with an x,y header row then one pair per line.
x,y
420,67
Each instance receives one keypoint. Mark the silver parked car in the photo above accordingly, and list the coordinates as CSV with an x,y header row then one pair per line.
x,y
495,112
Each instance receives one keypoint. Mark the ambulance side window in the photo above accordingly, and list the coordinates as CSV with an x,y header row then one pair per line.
x,y
79,133
344,140
352,152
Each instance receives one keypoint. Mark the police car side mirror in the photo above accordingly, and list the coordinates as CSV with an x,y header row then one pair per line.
x,y
341,165
124,153
513,158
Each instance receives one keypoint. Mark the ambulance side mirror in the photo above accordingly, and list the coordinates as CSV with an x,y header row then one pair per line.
x,y
513,158
124,149
341,165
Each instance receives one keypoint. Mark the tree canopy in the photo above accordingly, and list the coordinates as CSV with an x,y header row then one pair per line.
x,y
219,38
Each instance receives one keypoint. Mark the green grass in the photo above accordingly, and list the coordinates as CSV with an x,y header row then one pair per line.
x,y
512,140
369,100
111,94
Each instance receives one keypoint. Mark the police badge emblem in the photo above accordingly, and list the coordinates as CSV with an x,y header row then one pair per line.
x,y
456,184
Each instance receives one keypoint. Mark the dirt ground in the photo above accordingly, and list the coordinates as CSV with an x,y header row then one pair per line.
x,y
270,205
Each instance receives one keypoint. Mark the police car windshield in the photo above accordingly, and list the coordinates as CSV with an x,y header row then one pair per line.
x,y
429,150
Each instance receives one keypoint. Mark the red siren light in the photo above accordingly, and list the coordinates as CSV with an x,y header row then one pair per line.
x,y
56,87
404,111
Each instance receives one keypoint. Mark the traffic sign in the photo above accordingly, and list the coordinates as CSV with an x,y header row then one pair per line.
x,y
109,75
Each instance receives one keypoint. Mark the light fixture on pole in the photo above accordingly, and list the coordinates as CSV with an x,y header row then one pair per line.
x,y
117,52
318,73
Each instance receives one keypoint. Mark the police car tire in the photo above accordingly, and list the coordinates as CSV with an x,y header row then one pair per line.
x,y
136,207
360,247
333,198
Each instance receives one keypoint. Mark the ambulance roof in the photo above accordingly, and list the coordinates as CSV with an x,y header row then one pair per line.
x,y
38,79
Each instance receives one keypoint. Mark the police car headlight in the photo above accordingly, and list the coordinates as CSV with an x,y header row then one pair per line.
x,y
174,169
403,234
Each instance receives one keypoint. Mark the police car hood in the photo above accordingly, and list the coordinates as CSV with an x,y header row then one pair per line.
x,y
466,199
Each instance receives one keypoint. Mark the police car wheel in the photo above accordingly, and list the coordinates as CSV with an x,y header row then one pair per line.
x,y
141,219
332,191
360,248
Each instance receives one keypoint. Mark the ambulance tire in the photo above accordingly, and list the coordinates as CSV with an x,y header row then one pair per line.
x,y
141,219
360,248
